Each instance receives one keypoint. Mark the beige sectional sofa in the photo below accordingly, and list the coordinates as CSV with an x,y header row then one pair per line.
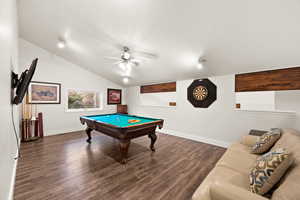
x,y
229,180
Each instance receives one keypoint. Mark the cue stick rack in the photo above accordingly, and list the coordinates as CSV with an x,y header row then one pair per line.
x,y
32,123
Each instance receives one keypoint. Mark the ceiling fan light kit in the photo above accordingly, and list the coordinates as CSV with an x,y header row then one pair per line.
x,y
122,65
130,58
126,54
201,60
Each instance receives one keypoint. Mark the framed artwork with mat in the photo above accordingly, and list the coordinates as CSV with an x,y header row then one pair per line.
x,y
44,93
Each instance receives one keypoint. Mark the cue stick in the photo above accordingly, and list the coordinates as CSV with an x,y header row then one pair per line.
x,y
30,116
26,116
23,110
27,129
36,128
41,128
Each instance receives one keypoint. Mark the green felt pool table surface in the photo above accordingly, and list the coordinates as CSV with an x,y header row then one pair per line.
x,y
121,120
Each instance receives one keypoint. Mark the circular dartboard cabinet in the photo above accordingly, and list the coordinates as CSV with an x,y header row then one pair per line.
x,y
202,93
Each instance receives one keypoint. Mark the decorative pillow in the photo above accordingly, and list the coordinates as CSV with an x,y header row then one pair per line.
x,y
266,141
268,170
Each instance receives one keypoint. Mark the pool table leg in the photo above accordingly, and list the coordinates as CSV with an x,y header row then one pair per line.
x,y
88,132
153,138
124,146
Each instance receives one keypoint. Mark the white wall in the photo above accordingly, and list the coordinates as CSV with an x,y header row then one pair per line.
x,y
219,124
157,99
8,61
52,68
289,100
263,101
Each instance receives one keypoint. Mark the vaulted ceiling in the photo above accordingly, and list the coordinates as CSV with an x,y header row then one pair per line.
x,y
233,36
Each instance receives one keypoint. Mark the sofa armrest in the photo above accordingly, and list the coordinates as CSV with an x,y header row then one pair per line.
x,y
249,140
226,191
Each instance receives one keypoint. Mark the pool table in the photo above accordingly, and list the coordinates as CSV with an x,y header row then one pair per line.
x,y
122,127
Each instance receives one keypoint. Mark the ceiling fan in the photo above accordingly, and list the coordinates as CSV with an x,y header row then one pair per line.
x,y
132,57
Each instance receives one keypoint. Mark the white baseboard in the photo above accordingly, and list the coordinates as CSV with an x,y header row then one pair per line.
x,y
59,132
13,180
196,138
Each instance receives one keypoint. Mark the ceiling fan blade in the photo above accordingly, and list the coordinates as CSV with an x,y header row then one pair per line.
x,y
136,63
146,54
111,58
135,60
117,63
117,46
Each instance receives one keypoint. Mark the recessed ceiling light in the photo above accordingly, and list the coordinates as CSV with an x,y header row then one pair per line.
x,y
125,80
61,44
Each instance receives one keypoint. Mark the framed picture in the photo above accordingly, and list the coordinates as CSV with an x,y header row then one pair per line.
x,y
83,100
114,96
44,93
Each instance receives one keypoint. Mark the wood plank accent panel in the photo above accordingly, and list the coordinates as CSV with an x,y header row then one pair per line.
x,y
281,79
161,87
66,167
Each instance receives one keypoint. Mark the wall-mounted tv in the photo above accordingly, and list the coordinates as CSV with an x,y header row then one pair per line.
x,y
21,84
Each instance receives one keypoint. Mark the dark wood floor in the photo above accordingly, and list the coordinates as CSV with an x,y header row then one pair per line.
x,y
65,167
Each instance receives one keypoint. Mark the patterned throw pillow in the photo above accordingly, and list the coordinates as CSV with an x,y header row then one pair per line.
x,y
268,170
266,141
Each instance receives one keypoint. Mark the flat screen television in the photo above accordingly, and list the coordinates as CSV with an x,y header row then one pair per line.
x,y
21,84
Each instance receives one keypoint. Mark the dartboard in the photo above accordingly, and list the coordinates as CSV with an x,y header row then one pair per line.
x,y
200,93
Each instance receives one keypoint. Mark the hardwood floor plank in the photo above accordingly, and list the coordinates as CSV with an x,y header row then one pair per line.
x,y
66,167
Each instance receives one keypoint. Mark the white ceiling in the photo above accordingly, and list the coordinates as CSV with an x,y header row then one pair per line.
x,y
233,35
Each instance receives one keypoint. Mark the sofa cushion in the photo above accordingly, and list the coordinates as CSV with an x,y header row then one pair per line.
x,y
225,191
289,140
266,141
220,172
238,158
268,170
241,148
288,189
289,186
249,140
